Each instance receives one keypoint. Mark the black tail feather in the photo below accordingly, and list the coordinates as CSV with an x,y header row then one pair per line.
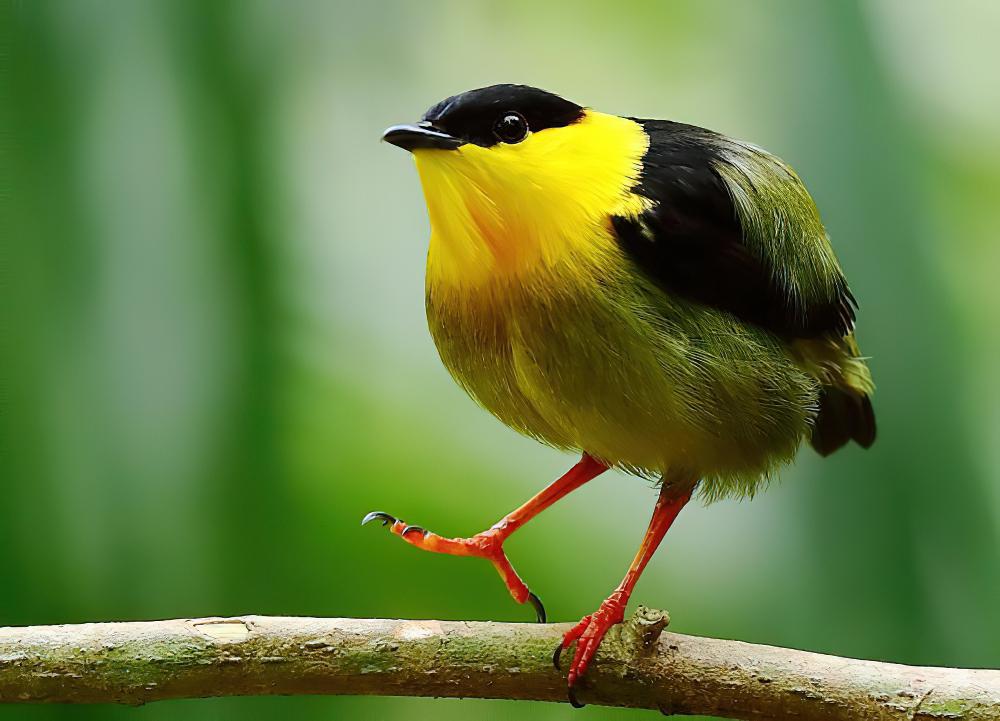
x,y
843,416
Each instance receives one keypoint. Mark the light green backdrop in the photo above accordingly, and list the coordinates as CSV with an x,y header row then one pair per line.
x,y
215,359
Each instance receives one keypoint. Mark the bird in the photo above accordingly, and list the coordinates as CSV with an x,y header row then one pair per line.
x,y
654,296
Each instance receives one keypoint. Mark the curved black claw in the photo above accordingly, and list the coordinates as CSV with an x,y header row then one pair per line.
x,y
407,529
539,607
555,656
380,515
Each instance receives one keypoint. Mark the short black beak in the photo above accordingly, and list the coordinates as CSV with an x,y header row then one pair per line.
x,y
421,135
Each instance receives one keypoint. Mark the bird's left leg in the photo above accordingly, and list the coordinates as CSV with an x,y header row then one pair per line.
x,y
590,631
489,543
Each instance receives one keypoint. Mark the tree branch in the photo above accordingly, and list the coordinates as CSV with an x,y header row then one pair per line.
x,y
637,666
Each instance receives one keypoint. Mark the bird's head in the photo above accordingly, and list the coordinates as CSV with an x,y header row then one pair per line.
x,y
515,176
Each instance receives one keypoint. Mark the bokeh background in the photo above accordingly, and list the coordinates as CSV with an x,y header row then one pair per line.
x,y
215,359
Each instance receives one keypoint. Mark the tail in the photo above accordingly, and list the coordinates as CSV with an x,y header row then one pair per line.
x,y
845,406
844,415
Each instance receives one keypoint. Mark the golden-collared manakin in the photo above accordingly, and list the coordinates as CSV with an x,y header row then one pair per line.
x,y
655,296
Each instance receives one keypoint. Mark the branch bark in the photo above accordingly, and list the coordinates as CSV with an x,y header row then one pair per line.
x,y
637,666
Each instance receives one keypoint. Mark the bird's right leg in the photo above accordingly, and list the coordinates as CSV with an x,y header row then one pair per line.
x,y
489,543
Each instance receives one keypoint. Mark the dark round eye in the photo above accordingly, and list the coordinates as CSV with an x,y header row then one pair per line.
x,y
511,127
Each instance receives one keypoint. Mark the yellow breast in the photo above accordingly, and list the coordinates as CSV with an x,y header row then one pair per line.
x,y
498,213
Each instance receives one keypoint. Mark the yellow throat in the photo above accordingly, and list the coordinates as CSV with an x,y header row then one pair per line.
x,y
500,211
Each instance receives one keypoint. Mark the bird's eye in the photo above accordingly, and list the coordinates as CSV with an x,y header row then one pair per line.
x,y
511,127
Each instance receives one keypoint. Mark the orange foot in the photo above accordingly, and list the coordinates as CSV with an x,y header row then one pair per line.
x,y
488,545
588,634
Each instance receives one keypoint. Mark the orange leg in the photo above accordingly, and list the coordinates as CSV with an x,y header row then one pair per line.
x,y
489,543
590,631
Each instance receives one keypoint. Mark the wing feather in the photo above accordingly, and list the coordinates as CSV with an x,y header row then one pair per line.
x,y
732,226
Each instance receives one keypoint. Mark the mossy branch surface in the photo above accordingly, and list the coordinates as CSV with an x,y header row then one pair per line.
x,y
638,666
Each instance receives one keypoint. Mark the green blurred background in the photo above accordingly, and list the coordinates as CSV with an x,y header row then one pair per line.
x,y
215,360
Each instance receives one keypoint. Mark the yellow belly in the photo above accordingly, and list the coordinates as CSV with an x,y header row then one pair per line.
x,y
600,361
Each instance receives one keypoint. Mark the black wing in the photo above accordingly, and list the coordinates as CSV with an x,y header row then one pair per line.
x,y
731,226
